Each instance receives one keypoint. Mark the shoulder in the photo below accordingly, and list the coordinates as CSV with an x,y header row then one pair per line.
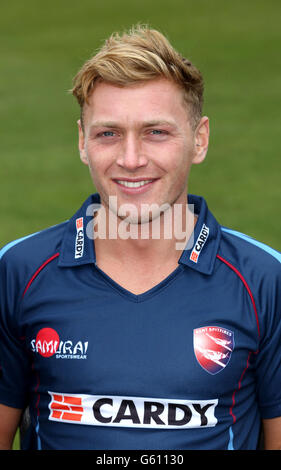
x,y
259,268
257,263
26,253
246,250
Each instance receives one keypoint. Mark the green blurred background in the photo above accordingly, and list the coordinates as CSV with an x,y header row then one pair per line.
x,y
236,45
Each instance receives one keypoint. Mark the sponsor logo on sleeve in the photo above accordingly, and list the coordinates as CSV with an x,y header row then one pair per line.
x,y
200,242
132,412
213,346
79,240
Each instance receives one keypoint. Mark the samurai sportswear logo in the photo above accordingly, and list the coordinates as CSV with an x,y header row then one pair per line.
x,y
132,412
79,240
213,347
48,343
200,242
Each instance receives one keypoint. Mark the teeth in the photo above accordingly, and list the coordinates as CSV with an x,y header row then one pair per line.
x,y
134,184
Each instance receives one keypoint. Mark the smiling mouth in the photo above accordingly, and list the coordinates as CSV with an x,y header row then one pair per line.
x,y
134,184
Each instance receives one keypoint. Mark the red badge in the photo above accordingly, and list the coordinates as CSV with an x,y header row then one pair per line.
x,y
47,342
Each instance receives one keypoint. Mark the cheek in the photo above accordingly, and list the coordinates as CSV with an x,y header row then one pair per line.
x,y
98,161
177,161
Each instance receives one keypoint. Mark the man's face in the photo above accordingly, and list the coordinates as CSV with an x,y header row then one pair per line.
x,y
139,144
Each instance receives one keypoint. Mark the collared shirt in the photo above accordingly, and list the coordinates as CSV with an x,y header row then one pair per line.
x,y
192,363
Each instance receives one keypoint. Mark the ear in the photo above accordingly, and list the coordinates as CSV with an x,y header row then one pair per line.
x,y
201,140
82,151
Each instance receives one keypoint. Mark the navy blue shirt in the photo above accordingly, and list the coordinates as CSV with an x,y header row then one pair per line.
x,y
193,363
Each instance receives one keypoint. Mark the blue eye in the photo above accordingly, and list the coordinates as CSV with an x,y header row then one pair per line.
x,y
156,131
108,134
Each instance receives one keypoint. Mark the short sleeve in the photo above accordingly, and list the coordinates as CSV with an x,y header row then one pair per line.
x,y
14,361
268,361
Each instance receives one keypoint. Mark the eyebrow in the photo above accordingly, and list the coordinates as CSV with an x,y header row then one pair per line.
x,y
114,124
160,122
103,124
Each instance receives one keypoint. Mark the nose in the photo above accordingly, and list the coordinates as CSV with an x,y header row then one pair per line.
x,y
131,156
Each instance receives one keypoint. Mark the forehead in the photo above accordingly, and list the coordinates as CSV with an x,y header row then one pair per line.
x,y
154,99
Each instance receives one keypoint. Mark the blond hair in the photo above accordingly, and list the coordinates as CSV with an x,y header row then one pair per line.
x,y
141,54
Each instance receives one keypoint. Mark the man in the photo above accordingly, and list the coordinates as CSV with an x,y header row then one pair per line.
x,y
116,331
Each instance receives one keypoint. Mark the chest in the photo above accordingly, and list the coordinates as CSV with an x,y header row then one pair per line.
x,y
180,339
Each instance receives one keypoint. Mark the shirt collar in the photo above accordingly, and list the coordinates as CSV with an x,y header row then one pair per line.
x,y
202,247
78,244
200,253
